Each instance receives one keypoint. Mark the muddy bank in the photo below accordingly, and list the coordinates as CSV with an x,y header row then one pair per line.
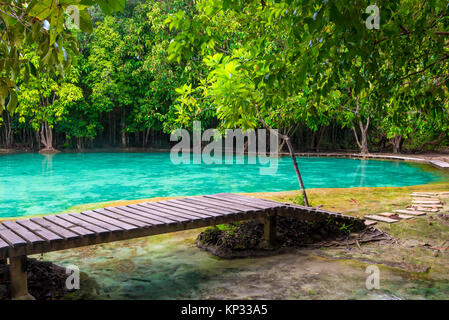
x,y
47,281
246,239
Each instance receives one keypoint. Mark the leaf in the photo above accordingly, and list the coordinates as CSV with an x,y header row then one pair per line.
x,y
85,21
12,101
32,68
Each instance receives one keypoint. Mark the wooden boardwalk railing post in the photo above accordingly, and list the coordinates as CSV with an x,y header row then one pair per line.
x,y
19,278
270,229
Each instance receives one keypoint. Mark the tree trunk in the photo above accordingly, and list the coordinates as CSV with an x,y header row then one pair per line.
x,y
136,138
8,131
298,174
396,142
320,138
281,146
38,140
433,143
47,137
79,143
292,155
110,127
122,127
146,135
363,144
312,142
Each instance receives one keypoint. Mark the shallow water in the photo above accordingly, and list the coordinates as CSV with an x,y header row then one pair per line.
x,y
171,267
35,184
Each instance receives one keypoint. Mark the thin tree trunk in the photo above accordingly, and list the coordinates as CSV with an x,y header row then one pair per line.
x,y
47,136
281,146
110,127
137,138
38,139
363,144
8,131
79,143
434,142
312,142
320,138
122,127
292,155
298,173
396,142
146,135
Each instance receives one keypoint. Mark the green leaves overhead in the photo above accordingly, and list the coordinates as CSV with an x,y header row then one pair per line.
x,y
42,26
262,55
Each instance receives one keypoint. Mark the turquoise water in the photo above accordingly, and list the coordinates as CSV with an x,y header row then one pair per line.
x,y
36,184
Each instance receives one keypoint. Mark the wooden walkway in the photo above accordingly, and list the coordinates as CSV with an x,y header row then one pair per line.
x,y
65,231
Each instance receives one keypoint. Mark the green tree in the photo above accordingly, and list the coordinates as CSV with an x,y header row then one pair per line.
x,y
42,25
45,101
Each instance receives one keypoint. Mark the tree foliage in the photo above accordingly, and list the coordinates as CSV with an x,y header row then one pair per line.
x,y
42,25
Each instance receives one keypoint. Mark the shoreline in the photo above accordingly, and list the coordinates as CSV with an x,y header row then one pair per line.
x,y
276,195
435,158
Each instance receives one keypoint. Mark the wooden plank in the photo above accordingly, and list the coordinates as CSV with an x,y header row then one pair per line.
x,y
380,218
115,222
24,233
428,205
4,250
165,213
253,199
223,204
3,244
165,210
412,212
123,211
426,201
177,212
83,232
370,222
416,208
267,202
258,206
156,220
152,214
395,215
180,205
227,204
426,193
123,216
387,214
94,221
11,238
84,224
426,196
66,234
39,230
195,204
183,211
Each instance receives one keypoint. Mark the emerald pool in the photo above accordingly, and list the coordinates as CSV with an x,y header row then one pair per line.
x,y
36,184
